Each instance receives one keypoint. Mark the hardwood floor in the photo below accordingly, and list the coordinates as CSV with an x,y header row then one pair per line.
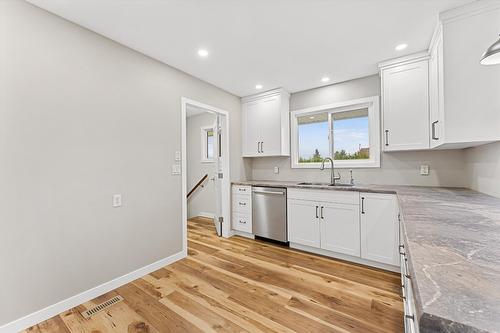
x,y
242,285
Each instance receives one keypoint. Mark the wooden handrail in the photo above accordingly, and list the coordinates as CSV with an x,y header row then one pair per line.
x,y
197,185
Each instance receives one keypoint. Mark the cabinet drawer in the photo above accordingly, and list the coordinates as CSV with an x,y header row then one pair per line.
x,y
342,197
242,190
242,204
242,222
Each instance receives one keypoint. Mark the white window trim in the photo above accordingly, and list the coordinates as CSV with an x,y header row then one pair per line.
x,y
372,103
204,130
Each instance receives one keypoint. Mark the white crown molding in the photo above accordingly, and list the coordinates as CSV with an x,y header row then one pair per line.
x,y
404,60
265,94
468,10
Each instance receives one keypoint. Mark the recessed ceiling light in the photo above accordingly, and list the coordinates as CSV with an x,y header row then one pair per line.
x,y
203,53
258,86
401,47
325,79
311,117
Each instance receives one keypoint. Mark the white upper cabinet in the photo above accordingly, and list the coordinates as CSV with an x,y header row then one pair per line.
x,y
468,110
379,228
405,103
265,124
444,98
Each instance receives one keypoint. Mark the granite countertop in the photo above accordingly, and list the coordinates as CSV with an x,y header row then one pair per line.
x,y
452,238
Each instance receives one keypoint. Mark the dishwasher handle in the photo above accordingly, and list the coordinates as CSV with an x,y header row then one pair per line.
x,y
268,192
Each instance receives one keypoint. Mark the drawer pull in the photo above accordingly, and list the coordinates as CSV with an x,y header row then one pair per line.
x,y
243,222
242,203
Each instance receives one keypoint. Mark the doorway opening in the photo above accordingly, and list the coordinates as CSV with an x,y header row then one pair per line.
x,y
205,165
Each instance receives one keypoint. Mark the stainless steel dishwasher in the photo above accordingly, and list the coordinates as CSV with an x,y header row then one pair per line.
x,y
269,213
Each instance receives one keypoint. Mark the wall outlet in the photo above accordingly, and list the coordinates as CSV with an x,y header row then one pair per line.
x,y
276,170
177,155
424,170
176,169
117,200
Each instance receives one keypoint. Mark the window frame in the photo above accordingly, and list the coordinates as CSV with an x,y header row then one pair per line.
x,y
371,103
204,144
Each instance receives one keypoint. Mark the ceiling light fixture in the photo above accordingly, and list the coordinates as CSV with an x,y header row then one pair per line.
x,y
258,86
203,53
325,79
401,47
492,54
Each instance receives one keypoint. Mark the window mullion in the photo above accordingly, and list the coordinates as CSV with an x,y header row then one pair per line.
x,y
330,134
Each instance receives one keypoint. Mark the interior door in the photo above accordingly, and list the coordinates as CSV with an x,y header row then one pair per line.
x,y
217,174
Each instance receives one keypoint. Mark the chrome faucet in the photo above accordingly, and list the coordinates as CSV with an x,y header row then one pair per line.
x,y
333,178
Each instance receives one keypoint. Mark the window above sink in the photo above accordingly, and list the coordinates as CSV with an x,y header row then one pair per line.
x,y
347,131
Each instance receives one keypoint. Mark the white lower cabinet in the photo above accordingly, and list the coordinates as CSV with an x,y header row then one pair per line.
x,y
379,228
340,228
331,225
363,226
303,222
241,207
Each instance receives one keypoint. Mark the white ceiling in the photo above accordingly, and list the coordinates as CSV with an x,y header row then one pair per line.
x,y
277,43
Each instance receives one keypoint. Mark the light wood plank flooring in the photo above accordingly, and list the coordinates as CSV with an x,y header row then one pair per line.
x,y
242,285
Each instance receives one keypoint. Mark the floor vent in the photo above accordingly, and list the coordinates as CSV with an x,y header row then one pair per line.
x,y
101,307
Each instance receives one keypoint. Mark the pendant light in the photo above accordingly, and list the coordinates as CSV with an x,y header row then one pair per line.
x,y
492,54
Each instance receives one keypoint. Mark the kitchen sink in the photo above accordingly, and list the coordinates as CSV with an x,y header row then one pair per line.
x,y
325,184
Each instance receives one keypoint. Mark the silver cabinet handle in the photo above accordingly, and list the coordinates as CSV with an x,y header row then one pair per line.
x,y
316,211
386,137
434,137
322,212
362,205
243,222
262,146
242,203
268,192
258,147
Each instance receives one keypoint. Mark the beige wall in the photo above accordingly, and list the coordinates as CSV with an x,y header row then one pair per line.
x,y
446,167
82,118
483,168
203,199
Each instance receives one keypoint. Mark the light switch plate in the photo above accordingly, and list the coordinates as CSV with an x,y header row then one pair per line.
x,y
117,200
176,169
276,169
424,170
177,155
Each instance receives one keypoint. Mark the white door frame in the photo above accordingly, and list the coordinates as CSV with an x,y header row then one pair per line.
x,y
226,183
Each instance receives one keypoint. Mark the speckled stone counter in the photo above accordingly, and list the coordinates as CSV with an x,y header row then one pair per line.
x,y
452,238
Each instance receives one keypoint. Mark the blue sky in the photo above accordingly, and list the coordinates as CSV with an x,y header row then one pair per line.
x,y
348,135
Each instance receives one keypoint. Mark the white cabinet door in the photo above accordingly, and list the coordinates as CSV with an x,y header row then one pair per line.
x,y
270,125
303,223
379,228
252,134
340,228
436,94
405,104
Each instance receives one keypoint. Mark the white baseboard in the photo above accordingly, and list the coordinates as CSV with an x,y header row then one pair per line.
x,y
69,303
345,257
207,215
